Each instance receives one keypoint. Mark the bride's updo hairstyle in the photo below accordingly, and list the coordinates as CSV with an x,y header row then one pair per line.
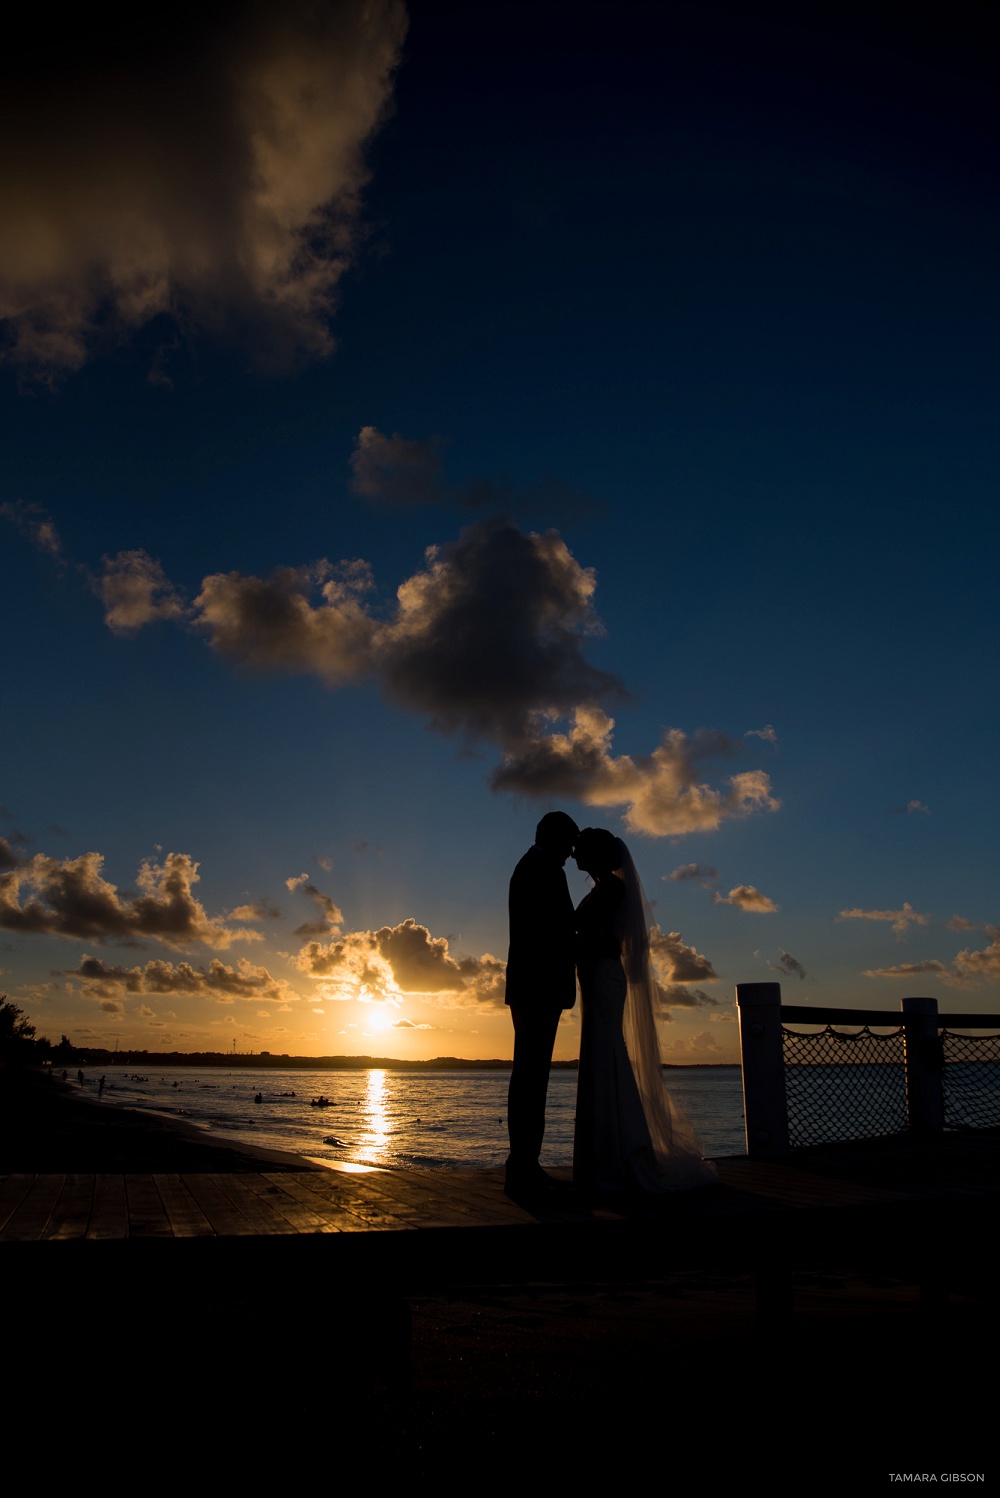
x,y
600,849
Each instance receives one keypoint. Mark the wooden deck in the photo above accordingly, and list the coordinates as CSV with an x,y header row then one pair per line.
x,y
912,1202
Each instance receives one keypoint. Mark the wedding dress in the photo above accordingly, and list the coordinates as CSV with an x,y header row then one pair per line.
x,y
630,1134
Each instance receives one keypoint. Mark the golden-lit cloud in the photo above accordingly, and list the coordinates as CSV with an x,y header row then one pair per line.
x,y
985,964
271,623
211,171
216,981
71,898
135,590
900,920
401,959
909,969
746,897
676,965
663,794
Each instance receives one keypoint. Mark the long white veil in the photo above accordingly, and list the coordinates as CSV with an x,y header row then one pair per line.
x,y
677,1149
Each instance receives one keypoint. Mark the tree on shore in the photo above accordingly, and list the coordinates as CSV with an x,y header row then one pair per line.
x,y
17,1035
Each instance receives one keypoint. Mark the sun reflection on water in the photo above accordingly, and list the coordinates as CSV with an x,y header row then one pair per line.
x,y
374,1142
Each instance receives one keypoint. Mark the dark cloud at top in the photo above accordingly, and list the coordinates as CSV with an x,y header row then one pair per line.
x,y
205,162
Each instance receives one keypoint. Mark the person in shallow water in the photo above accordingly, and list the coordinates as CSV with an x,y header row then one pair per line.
x,y
541,983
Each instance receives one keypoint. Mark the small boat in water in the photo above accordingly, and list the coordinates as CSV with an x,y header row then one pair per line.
x,y
321,1102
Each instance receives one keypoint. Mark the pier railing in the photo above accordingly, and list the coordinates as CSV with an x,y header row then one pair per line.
x,y
861,1073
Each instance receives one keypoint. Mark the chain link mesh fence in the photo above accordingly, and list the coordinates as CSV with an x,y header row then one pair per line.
x,y
843,1085
971,1081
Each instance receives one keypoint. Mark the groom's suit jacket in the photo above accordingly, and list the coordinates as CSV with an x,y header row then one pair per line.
x,y
541,970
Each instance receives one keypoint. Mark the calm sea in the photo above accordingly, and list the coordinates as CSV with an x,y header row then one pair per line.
x,y
443,1120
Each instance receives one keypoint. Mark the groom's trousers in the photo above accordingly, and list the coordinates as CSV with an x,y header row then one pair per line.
x,y
534,1039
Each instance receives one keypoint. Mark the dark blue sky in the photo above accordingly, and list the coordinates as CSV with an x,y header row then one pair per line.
x,y
712,296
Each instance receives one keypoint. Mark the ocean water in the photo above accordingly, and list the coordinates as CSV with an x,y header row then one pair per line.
x,y
442,1120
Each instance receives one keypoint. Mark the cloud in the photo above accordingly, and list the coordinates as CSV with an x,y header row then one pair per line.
x,y
271,623
401,959
112,1006
488,636
400,472
959,923
788,965
395,471
909,809
135,590
331,917
407,1024
210,170
676,996
703,872
486,642
974,966
746,897
908,969
663,794
675,962
36,524
217,981
324,862
72,899
901,919
9,857
703,1041
766,733
259,910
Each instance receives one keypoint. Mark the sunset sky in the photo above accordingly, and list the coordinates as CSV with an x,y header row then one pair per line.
x,y
418,420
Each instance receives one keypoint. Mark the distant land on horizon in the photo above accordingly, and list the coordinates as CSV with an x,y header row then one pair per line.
x,y
90,1056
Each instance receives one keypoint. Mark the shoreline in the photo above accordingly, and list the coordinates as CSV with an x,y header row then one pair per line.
x,y
46,1128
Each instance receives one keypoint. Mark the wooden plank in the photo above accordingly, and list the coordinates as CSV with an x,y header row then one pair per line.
x,y
30,1218
369,1199
258,1210
109,1213
227,1220
329,1207
12,1193
146,1217
303,1218
71,1213
187,1220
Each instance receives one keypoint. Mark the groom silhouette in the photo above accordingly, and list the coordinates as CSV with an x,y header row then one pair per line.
x,y
541,983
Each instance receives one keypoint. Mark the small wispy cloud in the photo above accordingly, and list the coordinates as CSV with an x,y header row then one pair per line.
x,y
747,897
900,920
788,965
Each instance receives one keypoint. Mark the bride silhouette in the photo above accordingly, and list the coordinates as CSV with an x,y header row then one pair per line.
x,y
630,1134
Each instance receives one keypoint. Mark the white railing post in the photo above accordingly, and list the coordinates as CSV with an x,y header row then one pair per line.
x,y
924,1061
764,1104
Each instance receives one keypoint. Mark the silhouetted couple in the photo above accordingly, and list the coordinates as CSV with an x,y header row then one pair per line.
x,y
629,1135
